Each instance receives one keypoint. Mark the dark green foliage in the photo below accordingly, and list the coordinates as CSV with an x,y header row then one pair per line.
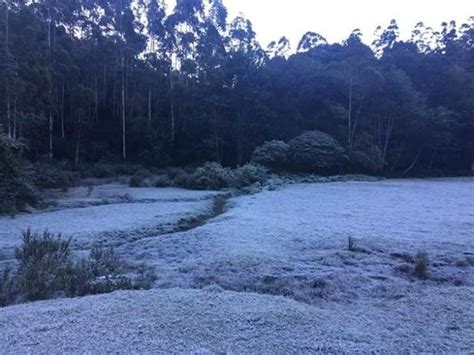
x,y
45,265
47,269
248,175
138,179
212,93
54,175
212,176
16,187
366,161
108,170
316,152
273,155
421,265
8,288
351,244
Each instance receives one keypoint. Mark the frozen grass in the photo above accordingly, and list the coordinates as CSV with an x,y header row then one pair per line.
x,y
123,214
293,243
210,321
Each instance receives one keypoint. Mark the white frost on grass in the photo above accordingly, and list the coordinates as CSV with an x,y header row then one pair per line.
x,y
143,212
192,321
114,193
293,242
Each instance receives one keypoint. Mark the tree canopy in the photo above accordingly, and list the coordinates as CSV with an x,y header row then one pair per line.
x,y
94,80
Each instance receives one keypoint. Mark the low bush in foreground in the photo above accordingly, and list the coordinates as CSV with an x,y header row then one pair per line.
x,y
351,244
421,265
47,269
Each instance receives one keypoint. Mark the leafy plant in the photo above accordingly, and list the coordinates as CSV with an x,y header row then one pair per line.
x,y
421,265
316,152
16,178
351,244
273,155
47,269
8,289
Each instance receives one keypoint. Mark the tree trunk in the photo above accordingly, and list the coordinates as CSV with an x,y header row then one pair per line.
x,y
124,132
62,112
15,123
148,127
388,135
412,165
216,137
9,118
173,119
78,139
51,125
7,84
349,118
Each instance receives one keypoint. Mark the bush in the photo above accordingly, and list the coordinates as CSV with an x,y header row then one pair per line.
x,y
44,265
421,265
366,161
51,175
273,155
47,270
7,288
351,244
316,152
163,181
16,178
248,175
138,179
211,176
102,170
108,170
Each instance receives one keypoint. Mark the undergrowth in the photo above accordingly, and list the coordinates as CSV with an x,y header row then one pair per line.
x,y
47,269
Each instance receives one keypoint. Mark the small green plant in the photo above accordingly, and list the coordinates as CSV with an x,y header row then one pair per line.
x,y
351,244
138,179
44,263
421,265
47,269
8,289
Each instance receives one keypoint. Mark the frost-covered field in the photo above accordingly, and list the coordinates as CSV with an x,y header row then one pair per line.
x,y
272,274
109,215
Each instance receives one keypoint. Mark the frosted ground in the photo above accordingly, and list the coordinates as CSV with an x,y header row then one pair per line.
x,y
272,274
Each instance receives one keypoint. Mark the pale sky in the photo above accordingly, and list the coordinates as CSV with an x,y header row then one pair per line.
x,y
335,19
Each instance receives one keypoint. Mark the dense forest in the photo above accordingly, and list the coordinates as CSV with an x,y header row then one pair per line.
x,y
89,81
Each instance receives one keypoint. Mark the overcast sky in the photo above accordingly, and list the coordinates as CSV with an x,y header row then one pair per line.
x,y
335,19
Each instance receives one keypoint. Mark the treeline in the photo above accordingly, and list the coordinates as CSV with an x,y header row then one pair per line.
x,y
90,81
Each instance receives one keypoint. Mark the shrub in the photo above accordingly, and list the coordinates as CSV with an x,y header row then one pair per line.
x,y
351,244
108,170
47,269
248,175
102,170
421,265
7,288
316,152
273,155
44,264
16,178
211,176
51,175
163,181
138,179
368,160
